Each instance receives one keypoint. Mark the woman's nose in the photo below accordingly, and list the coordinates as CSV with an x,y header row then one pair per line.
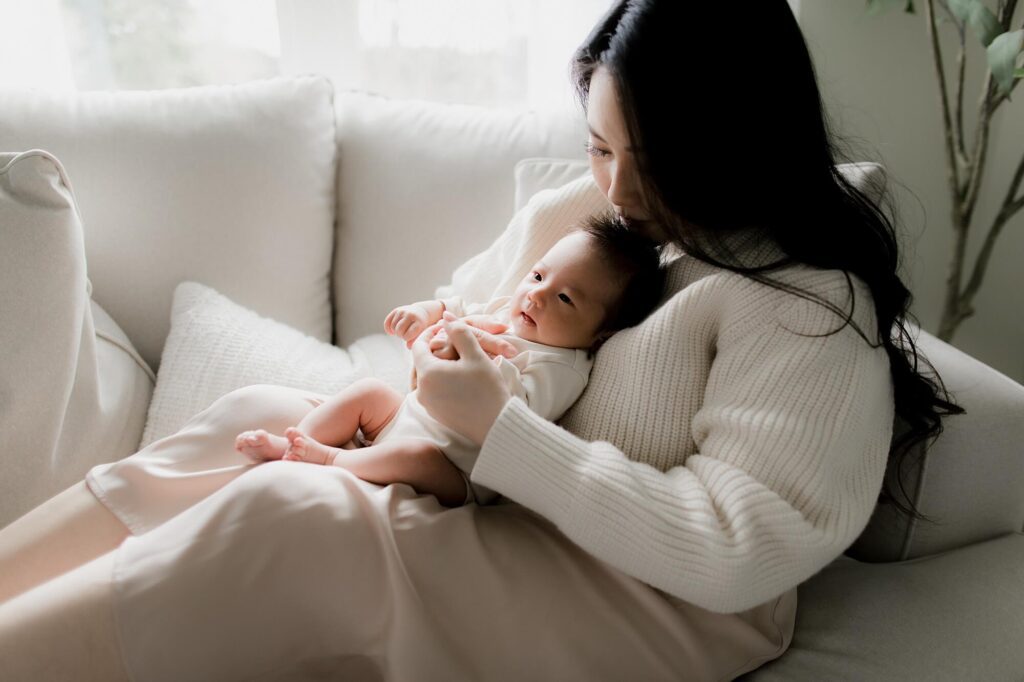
x,y
623,191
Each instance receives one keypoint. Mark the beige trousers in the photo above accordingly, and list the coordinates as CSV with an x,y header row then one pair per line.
x,y
293,571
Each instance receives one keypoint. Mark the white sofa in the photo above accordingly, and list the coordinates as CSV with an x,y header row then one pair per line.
x,y
301,217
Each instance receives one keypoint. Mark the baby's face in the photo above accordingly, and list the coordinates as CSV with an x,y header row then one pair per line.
x,y
566,296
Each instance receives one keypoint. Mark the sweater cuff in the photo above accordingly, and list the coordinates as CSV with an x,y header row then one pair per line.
x,y
531,461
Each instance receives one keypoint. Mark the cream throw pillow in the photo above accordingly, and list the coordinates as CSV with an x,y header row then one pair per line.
x,y
215,346
73,390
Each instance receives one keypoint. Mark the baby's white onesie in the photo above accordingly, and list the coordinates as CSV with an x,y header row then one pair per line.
x,y
548,379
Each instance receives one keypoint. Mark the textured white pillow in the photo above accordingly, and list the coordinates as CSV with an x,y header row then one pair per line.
x,y
216,346
73,390
232,186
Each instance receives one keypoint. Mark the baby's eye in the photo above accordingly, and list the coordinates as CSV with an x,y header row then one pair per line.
x,y
564,299
537,276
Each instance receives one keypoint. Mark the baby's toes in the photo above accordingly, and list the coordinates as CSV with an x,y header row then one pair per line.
x,y
296,449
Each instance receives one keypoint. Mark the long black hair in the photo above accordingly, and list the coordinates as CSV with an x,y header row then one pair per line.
x,y
729,133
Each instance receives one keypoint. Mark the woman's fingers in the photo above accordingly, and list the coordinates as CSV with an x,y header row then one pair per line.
x,y
466,340
491,345
486,322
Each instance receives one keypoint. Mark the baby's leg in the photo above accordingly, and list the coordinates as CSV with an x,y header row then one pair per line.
x,y
367,404
418,463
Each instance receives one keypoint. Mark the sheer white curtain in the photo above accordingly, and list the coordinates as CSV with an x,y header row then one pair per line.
x,y
503,53
511,53
491,52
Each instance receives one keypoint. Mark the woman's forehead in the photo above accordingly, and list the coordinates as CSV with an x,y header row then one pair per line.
x,y
604,113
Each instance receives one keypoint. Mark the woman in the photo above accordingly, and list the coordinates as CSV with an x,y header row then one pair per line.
x,y
725,450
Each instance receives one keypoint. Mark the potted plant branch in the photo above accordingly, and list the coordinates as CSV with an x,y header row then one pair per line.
x,y
966,151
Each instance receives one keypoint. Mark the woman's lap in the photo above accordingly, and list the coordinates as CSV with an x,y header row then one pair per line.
x,y
172,474
294,571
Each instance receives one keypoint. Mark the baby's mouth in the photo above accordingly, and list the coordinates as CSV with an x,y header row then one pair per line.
x,y
528,320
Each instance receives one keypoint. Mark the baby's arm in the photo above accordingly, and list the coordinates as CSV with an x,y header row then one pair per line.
x,y
416,463
409,321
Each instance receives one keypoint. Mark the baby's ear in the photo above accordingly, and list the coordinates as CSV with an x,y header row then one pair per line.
x,y
599,340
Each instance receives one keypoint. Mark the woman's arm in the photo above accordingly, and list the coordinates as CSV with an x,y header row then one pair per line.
x,y
792,440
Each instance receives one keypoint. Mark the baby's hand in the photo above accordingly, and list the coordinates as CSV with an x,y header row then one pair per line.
x,y
407,321
442,347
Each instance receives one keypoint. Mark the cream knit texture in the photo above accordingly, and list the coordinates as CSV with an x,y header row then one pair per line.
x,y
726,449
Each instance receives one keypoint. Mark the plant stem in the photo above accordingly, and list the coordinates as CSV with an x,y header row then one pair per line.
x,y
947,123
952,313
958,128
1009,208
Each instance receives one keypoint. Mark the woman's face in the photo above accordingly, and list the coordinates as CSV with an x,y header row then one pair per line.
x,y
611,155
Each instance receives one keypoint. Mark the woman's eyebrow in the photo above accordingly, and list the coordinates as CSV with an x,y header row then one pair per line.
x,y
594,133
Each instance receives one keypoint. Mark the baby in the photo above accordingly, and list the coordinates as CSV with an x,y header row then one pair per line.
x,y
591,283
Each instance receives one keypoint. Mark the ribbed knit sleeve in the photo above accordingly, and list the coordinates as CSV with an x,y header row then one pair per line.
x,y
789,449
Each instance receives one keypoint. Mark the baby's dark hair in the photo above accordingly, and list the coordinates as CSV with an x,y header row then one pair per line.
x,y
638,259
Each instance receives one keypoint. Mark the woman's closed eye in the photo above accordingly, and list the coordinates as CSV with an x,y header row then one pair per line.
x,y
595,151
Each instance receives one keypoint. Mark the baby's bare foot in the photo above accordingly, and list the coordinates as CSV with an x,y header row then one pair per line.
x,y
260,445
302,448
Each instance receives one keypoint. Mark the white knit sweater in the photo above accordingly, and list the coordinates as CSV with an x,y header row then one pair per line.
x,y
720,452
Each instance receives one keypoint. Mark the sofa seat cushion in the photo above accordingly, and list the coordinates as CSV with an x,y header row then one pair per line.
x,y
216,346
73,390
229,185
952,616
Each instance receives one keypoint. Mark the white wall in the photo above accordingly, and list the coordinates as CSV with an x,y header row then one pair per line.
x,y
879,85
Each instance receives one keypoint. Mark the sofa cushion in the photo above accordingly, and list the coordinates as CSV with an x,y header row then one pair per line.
x,y
73,390
216,346
971,481
952,616
422,187
232,186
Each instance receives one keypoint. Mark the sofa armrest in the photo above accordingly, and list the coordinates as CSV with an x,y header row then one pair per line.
x,y
971,483
951,616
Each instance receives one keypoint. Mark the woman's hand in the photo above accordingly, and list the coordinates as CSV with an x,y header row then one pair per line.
x,y
484,327
465,394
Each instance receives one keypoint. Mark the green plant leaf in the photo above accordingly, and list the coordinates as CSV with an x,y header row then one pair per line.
x,y
961,9
1002,58
1019,73
975,14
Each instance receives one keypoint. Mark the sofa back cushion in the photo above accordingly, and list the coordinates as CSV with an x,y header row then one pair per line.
x,y
421,188
229,186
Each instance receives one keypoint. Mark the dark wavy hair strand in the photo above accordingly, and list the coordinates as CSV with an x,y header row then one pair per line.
x,y
729,130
